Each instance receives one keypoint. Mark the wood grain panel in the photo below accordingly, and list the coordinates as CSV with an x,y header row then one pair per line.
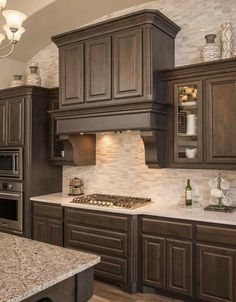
x,y
127,63
96,240
153,261
179,267
221,120
166,228
99,220
215,234
98,69
112,268
215,272
55,232
40,231
15,119
3,124
71,75
47,210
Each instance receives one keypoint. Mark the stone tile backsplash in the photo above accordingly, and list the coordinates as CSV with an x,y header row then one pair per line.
x,y
120,165
121,169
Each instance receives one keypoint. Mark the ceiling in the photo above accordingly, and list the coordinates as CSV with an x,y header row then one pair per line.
x,y
47,18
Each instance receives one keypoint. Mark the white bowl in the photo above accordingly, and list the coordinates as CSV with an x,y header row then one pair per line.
x,y
191,153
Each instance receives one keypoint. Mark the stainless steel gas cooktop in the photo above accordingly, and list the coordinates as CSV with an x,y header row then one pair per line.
x,y
105,200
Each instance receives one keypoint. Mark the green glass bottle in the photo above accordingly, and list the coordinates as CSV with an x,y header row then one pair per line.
x,y
188,194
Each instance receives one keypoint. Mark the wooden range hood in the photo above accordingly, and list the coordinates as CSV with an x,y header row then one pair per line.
x,y
108,79
149,117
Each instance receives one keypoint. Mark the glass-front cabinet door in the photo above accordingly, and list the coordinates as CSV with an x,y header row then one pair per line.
x,y
188,122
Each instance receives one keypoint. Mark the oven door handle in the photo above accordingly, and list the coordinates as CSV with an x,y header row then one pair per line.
x,y
9,194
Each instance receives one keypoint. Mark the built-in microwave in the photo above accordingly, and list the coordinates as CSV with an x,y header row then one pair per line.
x,y
11,163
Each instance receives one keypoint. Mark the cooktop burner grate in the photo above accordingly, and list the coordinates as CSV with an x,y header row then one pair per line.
x,y
106,200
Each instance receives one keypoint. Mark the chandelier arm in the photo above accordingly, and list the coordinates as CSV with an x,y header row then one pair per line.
x,y
9,53
7,45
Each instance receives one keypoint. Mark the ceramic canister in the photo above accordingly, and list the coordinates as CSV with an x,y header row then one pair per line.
x,y
210,52
191,124
227,41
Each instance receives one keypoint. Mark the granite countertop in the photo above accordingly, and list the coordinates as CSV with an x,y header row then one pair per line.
x,y
156,208
28,267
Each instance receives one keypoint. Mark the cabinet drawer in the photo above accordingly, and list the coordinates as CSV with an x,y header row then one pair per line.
x,y
95,240
166,228
112,268
54,211
98,220
216,234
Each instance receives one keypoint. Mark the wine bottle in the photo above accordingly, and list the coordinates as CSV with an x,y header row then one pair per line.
x,y
188,194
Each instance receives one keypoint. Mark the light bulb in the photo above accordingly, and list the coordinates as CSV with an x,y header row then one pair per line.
x,y
2,37
3,4
14,18
13,36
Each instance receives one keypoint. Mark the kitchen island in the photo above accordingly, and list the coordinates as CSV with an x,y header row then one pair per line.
x,y
33,271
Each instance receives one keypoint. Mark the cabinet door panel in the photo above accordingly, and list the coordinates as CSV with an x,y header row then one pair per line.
x,y
127,64
153,264
72,75
55,232
179,267
215,268
3,123
221,121
97,240
112,268
40,231
15,122
98,70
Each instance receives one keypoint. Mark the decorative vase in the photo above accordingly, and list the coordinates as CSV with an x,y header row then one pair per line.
x,y
210,52
34,78
227,41
17,80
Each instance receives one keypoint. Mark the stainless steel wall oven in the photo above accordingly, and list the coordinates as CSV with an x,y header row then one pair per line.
x,y
11,205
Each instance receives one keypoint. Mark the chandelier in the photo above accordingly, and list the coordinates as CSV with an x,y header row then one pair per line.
x,y
13,29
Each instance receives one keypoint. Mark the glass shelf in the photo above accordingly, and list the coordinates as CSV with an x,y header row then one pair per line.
x,y
187,122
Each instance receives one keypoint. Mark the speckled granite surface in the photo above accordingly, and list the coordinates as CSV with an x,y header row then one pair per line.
x,y
28,267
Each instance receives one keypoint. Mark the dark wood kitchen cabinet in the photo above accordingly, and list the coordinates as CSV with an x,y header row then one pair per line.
x,y
213,102
24,124
12,122
192,261
167,258
220,127
47,223
115,60
215,263
215,269
113,237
